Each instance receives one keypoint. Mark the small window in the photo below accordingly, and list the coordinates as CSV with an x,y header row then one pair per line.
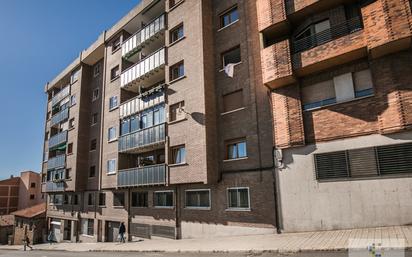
x,y
94,118
33,185
90,199
232,56
116,44
176,33
118,199
48,116
93,145
236,149
111,166
73,100
233,101
115,73
363,84
102,199
238,198
75,76
92,172
112,134
163,199
71,123
176,112
75,199
87,227
96,70
113,103
68,173
197,199
32,197
178,155
229,17
70,148
66,199
140,199
95,94
177,71
318,94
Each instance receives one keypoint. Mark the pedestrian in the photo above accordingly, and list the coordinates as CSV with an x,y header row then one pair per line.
x,y
50,237
27,242
122,231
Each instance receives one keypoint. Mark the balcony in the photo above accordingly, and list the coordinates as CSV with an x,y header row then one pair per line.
x,y
143,176
52,186
270,12
142,71
61,95
142,102
293,6
59,117
58,139
56,162
143,139
144,36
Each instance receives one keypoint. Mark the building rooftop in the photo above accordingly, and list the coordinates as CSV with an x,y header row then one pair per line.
x,y
31,212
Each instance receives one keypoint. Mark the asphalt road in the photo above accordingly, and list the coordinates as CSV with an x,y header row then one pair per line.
x,y
118,254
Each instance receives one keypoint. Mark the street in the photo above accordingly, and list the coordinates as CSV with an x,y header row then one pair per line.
x,y
134,254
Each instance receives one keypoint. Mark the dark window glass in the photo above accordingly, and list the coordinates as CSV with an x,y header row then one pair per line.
x,y
177,71
176,33
229,17
236,149
139,199
163,199
198,199
238,198
231,56
118,199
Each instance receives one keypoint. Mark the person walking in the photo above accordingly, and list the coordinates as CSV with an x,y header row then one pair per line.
x,y
50,237
122,231
27,243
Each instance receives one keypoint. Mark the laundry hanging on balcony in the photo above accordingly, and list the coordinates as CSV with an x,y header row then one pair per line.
x,y
230,69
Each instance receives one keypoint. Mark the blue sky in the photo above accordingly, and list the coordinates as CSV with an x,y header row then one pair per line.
x,y
39,38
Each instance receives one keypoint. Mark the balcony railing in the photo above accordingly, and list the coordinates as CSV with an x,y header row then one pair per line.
x,y
61,95
340,30
141,69
140,103
142,138
134,42
55,186
59,117
143,176
58,139
56,162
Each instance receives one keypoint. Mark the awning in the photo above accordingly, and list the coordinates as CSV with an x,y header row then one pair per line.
x,y
56,223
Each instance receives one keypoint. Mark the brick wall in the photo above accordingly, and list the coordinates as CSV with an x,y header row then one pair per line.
x,y
270,12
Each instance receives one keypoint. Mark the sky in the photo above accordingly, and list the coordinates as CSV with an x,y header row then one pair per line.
x,y
38,39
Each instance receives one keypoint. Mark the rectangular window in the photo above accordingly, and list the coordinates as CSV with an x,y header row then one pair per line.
x,y
238,198
140,199
125,127
318,94
118,199
176,33
178,155
236,149
71,123
96,70
95,94
111,166
75,76
231,56
93,145
70,148
102,199
176,111
92,172
75,199
94,119
177,71
112,134
363,83
233,101
33,185
115,73
90,199
73,100
197,198
87,227
113,103
32,197
228,17
116,44
163,199
66,199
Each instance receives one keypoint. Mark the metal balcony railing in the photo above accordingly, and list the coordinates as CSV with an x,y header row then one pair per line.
x,y
56,162
55,186
144,67
142,138
142,103
59,117
143,176
58,139
340,30
61,95
136,40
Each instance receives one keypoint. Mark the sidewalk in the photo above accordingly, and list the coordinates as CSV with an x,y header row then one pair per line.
x,y
291,242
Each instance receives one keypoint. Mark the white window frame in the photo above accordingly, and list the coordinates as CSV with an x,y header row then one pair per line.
x,y
237,208
115,134
164,207
96,70
115,168
111,108
73,100
199,208
227,11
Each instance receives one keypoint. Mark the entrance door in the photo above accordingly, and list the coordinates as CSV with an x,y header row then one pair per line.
x,y
67,230
55,227
112,231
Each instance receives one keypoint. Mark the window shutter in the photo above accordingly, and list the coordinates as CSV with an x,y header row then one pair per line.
x,y
362,162
395,159
344,87
233,101
331,165
318,92
362,80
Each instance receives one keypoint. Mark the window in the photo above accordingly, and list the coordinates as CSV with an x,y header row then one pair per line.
x,y
75,76
176,33
313,35
113,102
363,83
118,199
90,199
140,199
68,173
238,198
94,118
116,44
115,73
163,199
236,149
33,185
56,199
176,111
70,148
95,94
233,101
197,198
172,3
178,155
66,199
112,134
72,100
102,199
75,199
96,70
92,171
93,145
111,166
376,161
231,56
229,17
87,227
48,116
177,71
32,197
71,123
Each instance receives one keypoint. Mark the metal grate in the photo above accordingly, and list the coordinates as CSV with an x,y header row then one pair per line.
x,y
395,159
164,231
331,165
142,176
140,230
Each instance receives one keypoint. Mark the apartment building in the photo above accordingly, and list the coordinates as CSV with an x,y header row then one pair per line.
x,y
164,124
340,79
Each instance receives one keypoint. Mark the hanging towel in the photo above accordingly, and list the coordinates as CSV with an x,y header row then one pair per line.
x,y
230,69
